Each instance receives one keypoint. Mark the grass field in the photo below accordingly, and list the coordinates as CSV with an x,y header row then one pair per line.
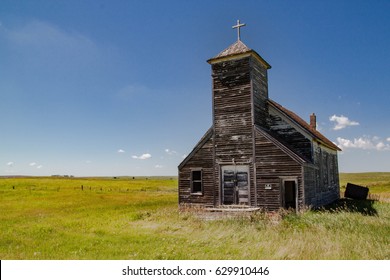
x,y
126,218
378,183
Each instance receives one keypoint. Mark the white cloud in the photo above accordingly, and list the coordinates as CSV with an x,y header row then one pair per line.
x,y
170,152
381,146
120,151
342,122
143,156
388,139
34,164
11,163
364,143
158,166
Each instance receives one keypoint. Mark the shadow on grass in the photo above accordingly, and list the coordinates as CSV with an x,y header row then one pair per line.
x,y
364,207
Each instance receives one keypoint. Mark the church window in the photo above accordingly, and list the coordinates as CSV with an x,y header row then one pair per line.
x,y
196,182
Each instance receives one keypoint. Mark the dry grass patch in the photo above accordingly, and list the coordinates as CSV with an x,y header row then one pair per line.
x,y
139,219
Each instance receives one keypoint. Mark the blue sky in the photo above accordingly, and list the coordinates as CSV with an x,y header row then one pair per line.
x,y
111,88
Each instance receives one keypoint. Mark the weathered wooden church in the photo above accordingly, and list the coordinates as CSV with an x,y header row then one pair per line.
x,y
257,152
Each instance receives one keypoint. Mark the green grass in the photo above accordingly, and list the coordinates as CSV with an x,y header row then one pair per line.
x,y
56,218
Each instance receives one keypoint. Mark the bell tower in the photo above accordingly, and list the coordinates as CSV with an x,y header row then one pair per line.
x,y
240,99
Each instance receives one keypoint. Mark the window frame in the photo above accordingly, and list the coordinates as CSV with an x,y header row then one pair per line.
x,y
200,192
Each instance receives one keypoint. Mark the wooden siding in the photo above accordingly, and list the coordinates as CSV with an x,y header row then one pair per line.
x,y
327,175
322,179
202,158
289,134
260,93
233,117
302,125
310,185
232,111
272,166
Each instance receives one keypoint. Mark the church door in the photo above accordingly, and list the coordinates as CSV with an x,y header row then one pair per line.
x,y
289,194
235,184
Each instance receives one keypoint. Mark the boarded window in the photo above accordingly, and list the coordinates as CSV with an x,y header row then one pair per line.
x,y
196,181
242,179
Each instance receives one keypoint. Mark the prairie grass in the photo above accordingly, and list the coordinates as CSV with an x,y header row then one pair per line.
x,y
125,218
377,182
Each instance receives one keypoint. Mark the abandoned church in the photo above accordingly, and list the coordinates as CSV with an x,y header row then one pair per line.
x,y
257,153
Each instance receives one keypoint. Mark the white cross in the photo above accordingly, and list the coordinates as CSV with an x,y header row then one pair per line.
x,y
238,26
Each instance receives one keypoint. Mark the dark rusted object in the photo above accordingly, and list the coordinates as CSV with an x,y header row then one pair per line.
x,y
356,192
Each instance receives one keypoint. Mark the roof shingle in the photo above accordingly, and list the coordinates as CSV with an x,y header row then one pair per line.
x,y
238,48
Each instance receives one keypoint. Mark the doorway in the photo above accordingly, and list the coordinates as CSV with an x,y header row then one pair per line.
x,y
235,184
289,194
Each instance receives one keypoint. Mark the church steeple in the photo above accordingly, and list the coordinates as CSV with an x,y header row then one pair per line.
x,y
238,49
240,83
240,100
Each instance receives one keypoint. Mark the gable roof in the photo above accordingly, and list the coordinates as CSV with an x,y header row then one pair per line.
x,y
207,136
298,120
235,49
209,133
290,152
